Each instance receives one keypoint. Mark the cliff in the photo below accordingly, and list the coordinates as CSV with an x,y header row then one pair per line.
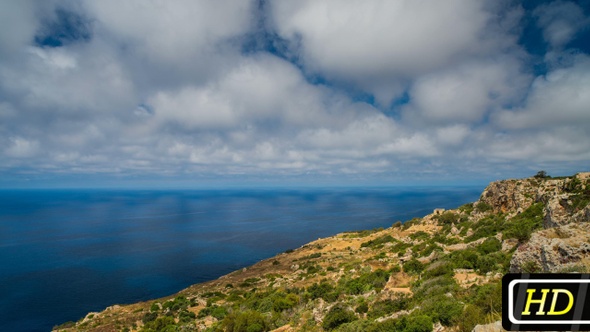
x,y
441,272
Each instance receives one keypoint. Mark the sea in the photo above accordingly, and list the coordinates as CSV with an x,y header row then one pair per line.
x,y
64,253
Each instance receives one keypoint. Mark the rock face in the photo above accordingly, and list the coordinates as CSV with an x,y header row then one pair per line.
x,y
560,249
563,246
492,327
562,197
509,196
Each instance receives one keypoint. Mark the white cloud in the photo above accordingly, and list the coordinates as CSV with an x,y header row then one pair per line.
x,y
559,98
560,21
163,88
17,26
171,31
466,93
380,44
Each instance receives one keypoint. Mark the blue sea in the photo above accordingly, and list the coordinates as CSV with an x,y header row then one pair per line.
x,y
64,253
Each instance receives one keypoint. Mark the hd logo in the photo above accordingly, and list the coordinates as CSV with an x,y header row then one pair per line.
x,y
545,302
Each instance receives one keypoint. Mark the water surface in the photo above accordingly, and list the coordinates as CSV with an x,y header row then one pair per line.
x,y
64,253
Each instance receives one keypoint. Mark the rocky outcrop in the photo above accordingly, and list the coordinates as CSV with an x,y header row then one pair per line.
x,y
492,327
562,246
559,249
508,196
565,199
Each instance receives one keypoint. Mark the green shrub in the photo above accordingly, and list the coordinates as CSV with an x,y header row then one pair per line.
x,y
412,222
378,242
471,316
483,207
419,235
523,225
447,218
389,306
488,298
247,321
442,308
413,266
485,264
487,227
489,246
164,324
362,308
323,290
213,311
418,323
282,301
155,307
438,268
464,259
186,316
337,316
149,317
466,208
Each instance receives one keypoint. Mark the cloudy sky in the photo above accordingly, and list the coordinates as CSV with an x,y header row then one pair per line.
x,y
173,93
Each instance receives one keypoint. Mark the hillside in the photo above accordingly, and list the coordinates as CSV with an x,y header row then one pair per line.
x,y
441,272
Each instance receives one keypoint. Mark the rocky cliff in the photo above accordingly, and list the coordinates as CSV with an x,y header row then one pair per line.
x,y
440,272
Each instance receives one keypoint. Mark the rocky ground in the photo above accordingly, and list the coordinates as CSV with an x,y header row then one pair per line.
x,y
441,272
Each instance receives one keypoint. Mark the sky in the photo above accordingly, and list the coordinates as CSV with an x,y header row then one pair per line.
x,y
282,92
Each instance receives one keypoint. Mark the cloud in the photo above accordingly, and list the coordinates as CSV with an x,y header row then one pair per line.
x,y
380,45
467,92
560,21
17,26
560,98
176,89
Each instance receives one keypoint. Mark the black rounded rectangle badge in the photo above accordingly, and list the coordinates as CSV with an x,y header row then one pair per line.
x,y
545,302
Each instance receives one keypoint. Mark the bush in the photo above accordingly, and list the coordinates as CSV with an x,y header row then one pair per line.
x,y
485,264
337,316
472,316
247,321
489,298
389,306
163,324
542,175
378,242
483,207
523,225
413,266
149,317
418,323
489,246
213,311
444,309
439,268
447,218
323,290
410,223
362,308
421,235
465,259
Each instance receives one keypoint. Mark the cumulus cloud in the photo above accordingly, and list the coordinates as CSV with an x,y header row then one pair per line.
x,y
560,21
559,98
466,93
380,45
176,89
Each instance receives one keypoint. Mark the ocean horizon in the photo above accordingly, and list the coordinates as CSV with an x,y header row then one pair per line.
x,y
67,252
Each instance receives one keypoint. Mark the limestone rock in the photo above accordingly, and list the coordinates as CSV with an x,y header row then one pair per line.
x,y
559,249
492,327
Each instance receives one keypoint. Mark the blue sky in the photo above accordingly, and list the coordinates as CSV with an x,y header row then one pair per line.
x,y
334,92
